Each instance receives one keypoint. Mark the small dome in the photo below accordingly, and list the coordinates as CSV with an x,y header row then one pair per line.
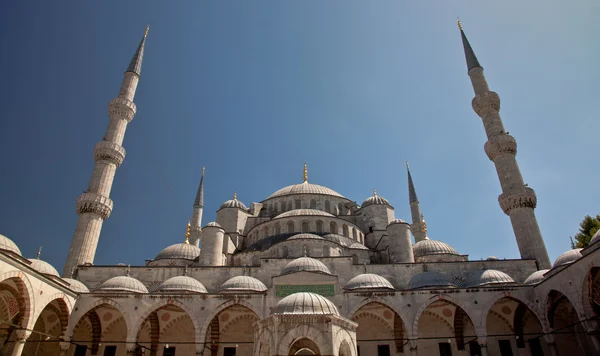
x,y
76,286
375,200
339,239
429,280
234,203
182,250
595,238
488,277
8,245
305,303
567,257
305,236
304,212
359,246
368,281
304,188
398,221
492,258
536,277
182,284
243,284
122,284
213,224
305,264
432,247
43,267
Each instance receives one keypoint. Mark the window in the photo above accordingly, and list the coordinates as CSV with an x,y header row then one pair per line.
x,y
327,206
290,205
277,229
474,348
445,349
333,228
313,204
110,350
340,208
170,351
354,234
305,226
80,350
229,351
282,206
383,350
290,227
298,204
284,252
319,227
505,348
345,230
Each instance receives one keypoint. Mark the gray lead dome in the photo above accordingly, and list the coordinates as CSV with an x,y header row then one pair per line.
x,y
122,284
179,251
536,277
567,257
488,277
182,284
305,188
305,264
368,281
43,267
8,245
305,303
432,247
243,284
76,286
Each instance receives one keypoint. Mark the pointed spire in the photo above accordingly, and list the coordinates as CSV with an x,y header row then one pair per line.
x,y
199,201
39,252
305,173
135,66
472,61
412,194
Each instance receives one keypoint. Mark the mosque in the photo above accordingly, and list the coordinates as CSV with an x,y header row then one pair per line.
x,y
306,271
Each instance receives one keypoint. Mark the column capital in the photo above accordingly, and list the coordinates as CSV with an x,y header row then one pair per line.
x,y
22,335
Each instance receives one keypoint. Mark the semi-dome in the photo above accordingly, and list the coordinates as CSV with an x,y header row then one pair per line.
x,y
375,200
8,245
182,250
234,203
182,284
397,221
359,246
432,247
304,212
122,284
243,284
339,239
488,277
76,286
567,257
536,277
429,280
305,303
304,188
305,235
368,281
43,267
305,264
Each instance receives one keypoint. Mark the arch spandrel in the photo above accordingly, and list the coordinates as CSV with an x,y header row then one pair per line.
x,y
537,310
83,307
474,315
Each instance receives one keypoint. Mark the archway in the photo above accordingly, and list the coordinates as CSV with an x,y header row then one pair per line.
x,y
379,327
230,332
444,328
344,349
168,328
15,309
49,327
101,330
571,336
304,346
592,290
511,324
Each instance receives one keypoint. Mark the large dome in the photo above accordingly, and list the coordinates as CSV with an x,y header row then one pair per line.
x,y
432,247
368,281
305,303
536,277
182,284
8,245
243,284
305,264
304,212
567,257
304,188
488,277
43,267
182,250
76,286
122,284
429,280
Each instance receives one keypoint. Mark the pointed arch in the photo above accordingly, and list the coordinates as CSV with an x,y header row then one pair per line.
x,y
24,296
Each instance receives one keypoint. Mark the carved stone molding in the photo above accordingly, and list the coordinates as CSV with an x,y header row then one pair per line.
x,y
109,151
514,200
483,104
500,144
94,203
119,108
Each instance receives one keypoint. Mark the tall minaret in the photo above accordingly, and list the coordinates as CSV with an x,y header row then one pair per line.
x,y
94,205
197,213
517,200
418,224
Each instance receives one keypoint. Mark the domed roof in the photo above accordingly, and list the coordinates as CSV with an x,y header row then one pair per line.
x,y
536,277
304,212
368,281
43,267
305,264
595,238
359,246
432,247
213,224
304,188
339,239
397,221
567,257
122,284
375,200
182,284
429,279
182,250
9,245
305,235
243,284
234,203
305,303
487,277
76,286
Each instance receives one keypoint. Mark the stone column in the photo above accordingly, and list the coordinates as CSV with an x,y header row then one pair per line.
x,y
131,347
64,348
482,340
20,340
413,347
551,342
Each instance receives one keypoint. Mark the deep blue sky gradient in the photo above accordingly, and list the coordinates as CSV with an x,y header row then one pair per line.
x,y
252,89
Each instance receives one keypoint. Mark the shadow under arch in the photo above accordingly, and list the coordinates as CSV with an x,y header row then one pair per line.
x,y
568,328
378,322
167,323
17,284
97,325
591,292
51,322
304,346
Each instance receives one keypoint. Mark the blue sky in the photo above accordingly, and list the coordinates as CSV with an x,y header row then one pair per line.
x,y
254,89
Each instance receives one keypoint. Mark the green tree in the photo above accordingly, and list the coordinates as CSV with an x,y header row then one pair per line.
x,y
588,227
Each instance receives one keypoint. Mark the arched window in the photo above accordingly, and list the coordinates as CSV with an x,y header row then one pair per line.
x,y
354,236
298,204
313,204
282,206
333,228
327,206
345,230
340,209
319,227
284,252
304,226
290,227
277,229
289,205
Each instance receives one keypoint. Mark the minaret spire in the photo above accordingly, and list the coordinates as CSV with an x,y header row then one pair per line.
x,y
94,205
417,227
197,213
517,200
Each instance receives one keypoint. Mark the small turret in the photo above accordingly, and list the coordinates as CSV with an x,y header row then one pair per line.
x,y
211,253
399,242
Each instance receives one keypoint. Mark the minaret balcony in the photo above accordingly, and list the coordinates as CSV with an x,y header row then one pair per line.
x,y
499,145
120,108
486,103
523,198
94,203
109,151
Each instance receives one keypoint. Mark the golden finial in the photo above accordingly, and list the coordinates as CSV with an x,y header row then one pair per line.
x,y
459,24
203,170
374,192
305,173
423,225
39,252
188,233
234,196
147,29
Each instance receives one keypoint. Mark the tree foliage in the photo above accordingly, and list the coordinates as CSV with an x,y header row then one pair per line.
x,y
588,227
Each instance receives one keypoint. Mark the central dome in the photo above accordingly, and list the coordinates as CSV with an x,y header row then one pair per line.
x,y
305,188
305,303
